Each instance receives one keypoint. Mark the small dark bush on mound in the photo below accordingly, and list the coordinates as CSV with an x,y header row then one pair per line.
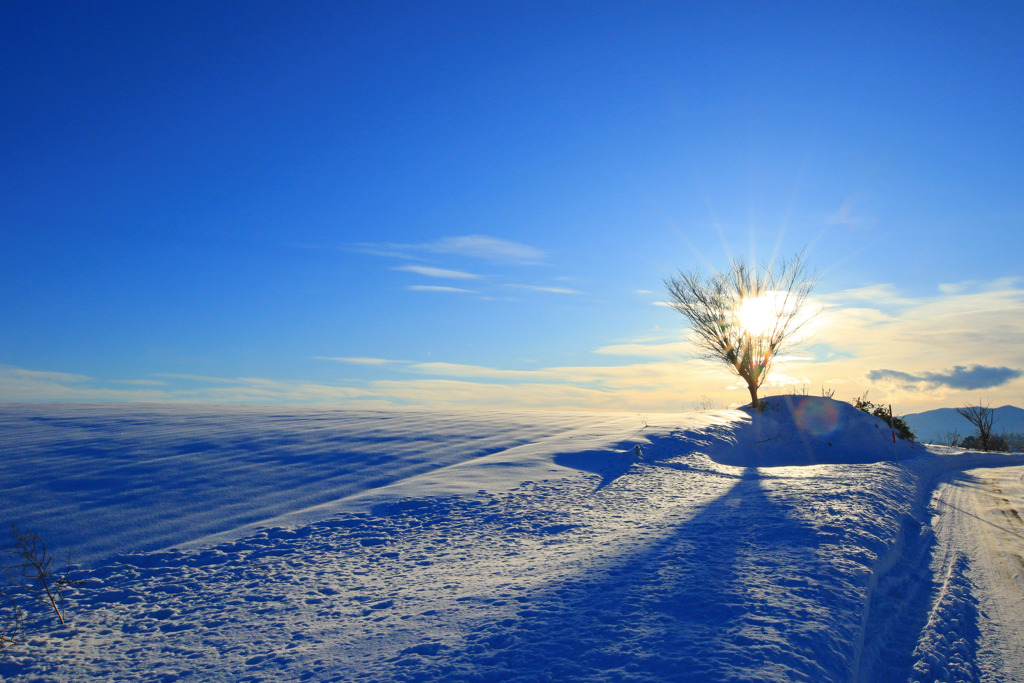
x,y
896,423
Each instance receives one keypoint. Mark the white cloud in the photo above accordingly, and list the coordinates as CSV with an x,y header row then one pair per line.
x,y
909,347
41,376
438,272
652,387
880,338
671,349
848,215
19,384
956,287
655,387
439,288
471,246
485,247
195,378
538,288
358,360
882,294
459,370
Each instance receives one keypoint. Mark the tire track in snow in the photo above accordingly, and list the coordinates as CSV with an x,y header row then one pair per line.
x,y
978,518
932,570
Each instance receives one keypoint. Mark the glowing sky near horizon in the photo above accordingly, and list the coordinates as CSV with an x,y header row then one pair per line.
x,y
465,203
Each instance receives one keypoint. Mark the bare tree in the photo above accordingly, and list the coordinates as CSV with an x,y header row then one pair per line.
x,y
950,438
982,417
745,316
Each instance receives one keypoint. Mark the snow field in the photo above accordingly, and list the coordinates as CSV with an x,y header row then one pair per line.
x,y
492,546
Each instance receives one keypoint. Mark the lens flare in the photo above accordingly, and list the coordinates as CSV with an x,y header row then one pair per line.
x,y
817,417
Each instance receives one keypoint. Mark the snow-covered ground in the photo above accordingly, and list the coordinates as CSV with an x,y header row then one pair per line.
x,y
230,543
981,552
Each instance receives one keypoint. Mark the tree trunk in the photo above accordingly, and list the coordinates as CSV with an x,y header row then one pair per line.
x,y
754,403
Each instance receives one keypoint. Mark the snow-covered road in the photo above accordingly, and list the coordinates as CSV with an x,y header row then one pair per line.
x,y
980,533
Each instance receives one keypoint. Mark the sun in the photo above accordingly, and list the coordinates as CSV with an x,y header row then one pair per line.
x,y
760,315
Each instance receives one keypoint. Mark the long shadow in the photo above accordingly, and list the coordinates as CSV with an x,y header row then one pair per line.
x,y
609,465
715,599
673,450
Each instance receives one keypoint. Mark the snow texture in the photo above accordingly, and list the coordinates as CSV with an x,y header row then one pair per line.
x,y
334,545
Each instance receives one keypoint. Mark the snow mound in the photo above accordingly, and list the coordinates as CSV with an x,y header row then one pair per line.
x,y
808,430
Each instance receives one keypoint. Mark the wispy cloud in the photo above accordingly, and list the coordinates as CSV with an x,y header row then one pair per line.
x,y
486,247
647,386
18,384
848,214
460,370
440,288
359,360
482,247
540,288
956,287
915,352
42,376
960,377
663,349
438,272
882,293
405,252
196,378
878,337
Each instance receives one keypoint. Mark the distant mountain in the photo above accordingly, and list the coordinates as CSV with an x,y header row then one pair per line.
x,y
932,425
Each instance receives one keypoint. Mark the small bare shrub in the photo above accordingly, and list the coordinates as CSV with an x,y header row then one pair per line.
x,y
705,402
950,438
12,622
1014,441
29,566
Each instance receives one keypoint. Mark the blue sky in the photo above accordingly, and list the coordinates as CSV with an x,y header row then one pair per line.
x,y
467,203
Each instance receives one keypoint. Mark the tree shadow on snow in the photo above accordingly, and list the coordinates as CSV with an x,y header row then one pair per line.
x,y
717,598
609,465
673,450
